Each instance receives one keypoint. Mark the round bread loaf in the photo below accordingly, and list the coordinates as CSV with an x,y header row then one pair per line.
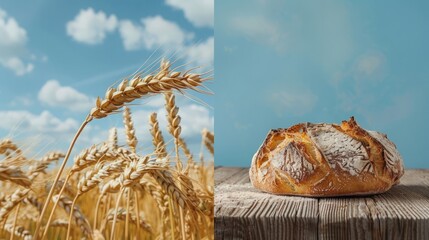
x,y
324,160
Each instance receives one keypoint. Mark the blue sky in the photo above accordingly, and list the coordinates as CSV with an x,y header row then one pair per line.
x,y
56,57
283,62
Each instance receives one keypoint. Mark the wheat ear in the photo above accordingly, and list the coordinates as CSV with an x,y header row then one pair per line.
x,y
130,132
11,202
91,156
157,138
31,200
112,141
173,124
41,165
18,231
15,175
209,140
7,147
187,153
94,176
66,204
138,87
59,223
165,179
121,215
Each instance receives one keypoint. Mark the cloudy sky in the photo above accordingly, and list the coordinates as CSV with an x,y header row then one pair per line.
x,y
56,57
279,63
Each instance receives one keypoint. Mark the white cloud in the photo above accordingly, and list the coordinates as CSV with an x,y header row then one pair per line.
x,y
370,65
153,32
194,119
44,122
13,45
397,110
55,95
21,101
90,27
198,12
260,29
295,102
18,66
44,131
202,54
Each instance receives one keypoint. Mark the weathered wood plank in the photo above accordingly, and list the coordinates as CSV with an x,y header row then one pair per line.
x,y
222,174
242,212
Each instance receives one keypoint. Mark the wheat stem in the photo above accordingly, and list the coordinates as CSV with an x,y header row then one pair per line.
x,y
14,221
94,226
70,217
51,214
173,230
116,214
57,177
136,202
127,216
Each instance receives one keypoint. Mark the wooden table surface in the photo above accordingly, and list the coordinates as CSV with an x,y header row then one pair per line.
x,y
242,212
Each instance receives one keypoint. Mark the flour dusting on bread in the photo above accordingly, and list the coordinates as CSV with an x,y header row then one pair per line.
x,y
392,155
292,161
339,149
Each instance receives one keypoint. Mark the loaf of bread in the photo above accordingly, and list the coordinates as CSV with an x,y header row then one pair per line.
x,y
325,160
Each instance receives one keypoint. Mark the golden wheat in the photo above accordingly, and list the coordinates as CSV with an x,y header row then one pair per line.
x,y
125,194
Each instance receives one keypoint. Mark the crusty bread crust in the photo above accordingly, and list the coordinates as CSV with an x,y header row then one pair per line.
x,y
325,160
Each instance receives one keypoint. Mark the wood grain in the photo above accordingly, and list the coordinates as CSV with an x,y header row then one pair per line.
x,y
242,212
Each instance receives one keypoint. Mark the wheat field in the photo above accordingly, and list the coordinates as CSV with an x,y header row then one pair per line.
x,y
112,190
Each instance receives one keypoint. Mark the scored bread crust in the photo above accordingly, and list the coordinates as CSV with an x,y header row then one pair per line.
x,y
325,160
